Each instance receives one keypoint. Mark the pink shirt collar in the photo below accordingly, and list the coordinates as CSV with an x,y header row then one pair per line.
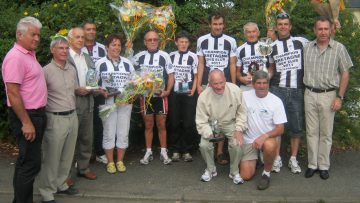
x,y
23,50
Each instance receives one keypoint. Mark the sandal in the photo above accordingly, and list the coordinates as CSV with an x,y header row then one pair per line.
x,y
221,159
110,168
120,166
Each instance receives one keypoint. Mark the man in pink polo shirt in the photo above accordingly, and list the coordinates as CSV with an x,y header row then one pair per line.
x,y
26,97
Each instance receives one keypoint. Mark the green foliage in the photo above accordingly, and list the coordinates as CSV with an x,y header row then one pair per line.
x,y
192,16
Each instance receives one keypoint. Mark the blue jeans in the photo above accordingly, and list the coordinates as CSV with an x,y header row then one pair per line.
x,y
293,100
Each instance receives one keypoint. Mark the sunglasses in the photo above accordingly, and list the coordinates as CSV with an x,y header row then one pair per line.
x,y
283,15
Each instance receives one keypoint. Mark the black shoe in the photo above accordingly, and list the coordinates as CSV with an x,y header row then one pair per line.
x,y
310,172
51,201
264,182
69,191
324,174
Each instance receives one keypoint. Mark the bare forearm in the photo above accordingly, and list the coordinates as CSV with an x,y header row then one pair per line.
x,y
233,69
271,70
193,89
200,71
343,83
170,83
277,131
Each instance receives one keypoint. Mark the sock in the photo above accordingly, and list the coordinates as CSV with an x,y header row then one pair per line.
x,y
266,173
163,151
278,158
293,158
148,150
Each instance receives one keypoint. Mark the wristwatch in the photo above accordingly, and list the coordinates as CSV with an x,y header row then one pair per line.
x,y
340,97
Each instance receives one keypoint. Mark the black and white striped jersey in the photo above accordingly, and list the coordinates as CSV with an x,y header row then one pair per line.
x,y
157,62
113,75
248,55
287,57
96,52
217,51
185,66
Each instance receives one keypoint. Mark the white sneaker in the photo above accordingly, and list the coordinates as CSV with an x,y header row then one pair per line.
x,y
277,165
147,158
164,158
294,166
236,179
175,157
102,159
207,176
187,157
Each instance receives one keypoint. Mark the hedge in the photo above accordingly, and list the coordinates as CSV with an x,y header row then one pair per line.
x,y
191,15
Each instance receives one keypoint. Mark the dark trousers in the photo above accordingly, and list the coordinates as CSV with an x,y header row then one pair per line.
x,y
28,162
98,127
182,129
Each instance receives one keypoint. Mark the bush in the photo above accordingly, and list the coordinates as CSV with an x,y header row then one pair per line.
x,y
191,15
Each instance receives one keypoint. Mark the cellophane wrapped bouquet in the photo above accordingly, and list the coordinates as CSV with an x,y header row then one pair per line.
x,y
140,83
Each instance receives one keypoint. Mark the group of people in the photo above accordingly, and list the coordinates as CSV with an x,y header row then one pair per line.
x,y
54,115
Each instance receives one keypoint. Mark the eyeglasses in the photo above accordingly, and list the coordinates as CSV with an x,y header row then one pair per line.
x,y
283,15
152,40
62,48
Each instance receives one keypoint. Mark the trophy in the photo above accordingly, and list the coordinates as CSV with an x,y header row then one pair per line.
x,y
91,81
184,85
217,136
253,67
265,49
111,90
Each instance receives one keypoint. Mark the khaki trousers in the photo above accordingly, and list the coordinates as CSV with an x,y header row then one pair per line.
x,y
319,127
207,151
84,108
58,150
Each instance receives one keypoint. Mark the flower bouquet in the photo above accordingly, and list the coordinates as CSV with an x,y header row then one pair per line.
x,y
133,16
162,19
329,9
140,83
275,7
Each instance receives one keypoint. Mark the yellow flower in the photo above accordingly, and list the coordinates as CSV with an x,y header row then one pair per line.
x,y
126,18
106,35
348,130
55,5
26,13
63,32
353,34
346,21
112,23
36,14
65,5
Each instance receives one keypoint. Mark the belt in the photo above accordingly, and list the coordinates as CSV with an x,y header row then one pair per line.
x,y
63,113
39,110
319,90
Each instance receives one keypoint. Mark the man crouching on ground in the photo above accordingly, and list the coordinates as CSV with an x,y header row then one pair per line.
x,y
265,117
223,102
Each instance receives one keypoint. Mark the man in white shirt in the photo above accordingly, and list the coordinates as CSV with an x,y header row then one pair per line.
x,y
266,117
84,102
